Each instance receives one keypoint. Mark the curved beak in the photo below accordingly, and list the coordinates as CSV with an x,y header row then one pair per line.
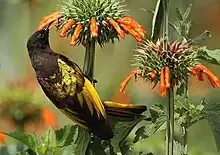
x,y
48,26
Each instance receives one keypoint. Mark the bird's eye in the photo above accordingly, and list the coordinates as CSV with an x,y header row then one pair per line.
x,y
40,35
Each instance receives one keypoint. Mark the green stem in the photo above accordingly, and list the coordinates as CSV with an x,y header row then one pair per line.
x,y
170,121
88,68
185,140
170,94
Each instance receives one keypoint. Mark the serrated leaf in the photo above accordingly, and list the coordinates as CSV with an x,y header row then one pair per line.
x,y
157,21
186,14
179,14
178,149
64,136
211,56
29,140
212,112
82,141
140,134
95,147
121,131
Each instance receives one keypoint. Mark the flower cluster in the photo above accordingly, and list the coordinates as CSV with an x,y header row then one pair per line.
x,y
87,19
167,67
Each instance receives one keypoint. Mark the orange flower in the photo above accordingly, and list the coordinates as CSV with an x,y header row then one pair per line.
x,y
153,75
103,24
162,83
94,28
167,77
120,32
76,33
66,27
215,82
49,117
48,20
128,78
2,138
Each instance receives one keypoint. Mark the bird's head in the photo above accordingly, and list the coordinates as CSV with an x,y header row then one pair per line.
x,y
39,40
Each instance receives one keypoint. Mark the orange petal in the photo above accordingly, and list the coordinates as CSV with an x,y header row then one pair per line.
x,y
75,35
94,28
50,16
153,75
167,77
53,24
66,27
212,78
193,71
49,117
43,25
132,32
127,79
162,83
2,138
120,32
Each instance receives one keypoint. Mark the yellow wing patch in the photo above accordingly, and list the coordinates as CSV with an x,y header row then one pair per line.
x,y
92,98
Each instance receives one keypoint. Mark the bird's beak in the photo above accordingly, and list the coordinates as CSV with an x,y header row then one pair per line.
x,y
48,26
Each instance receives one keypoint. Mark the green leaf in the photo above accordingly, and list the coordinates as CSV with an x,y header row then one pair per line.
x,y
186,14
29,140
212,112
121,131
64,136
179,14
211,56
157,21
140,134
178,148
95,147
82,141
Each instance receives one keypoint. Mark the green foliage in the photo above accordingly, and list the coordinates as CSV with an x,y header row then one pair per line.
x,y
178,148
121,132
210,56
212,112
82,141
64,136
157,21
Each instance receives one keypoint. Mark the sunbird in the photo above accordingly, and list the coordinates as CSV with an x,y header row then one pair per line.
x,y
71,92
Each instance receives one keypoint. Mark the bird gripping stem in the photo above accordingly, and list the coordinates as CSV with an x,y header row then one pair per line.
x,y
88,68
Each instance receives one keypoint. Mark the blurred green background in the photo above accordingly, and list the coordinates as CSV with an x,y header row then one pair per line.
x,y
20,18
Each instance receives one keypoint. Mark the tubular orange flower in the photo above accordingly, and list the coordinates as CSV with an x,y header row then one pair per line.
x,y
43,25
120,32
153,75
2,138
128,78
76,34
193,71
54,24
51,16
132,32
200,76
94,28
167,77
65,28
49,117
162,83
215,82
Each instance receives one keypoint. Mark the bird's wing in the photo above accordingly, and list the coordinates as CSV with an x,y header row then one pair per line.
x,y
84,89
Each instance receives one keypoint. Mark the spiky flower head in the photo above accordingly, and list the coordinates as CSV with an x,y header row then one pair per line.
x,y
87,19
167,67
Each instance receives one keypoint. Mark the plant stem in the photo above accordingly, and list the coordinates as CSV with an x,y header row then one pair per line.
x,y
185,140
170,95
88,68
170,121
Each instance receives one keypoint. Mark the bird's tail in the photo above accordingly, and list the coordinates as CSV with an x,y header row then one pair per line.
x,y
124,111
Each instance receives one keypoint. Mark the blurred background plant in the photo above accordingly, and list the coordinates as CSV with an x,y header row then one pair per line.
x,y
18,19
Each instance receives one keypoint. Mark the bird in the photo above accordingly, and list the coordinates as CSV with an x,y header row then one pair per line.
x,y
64,83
